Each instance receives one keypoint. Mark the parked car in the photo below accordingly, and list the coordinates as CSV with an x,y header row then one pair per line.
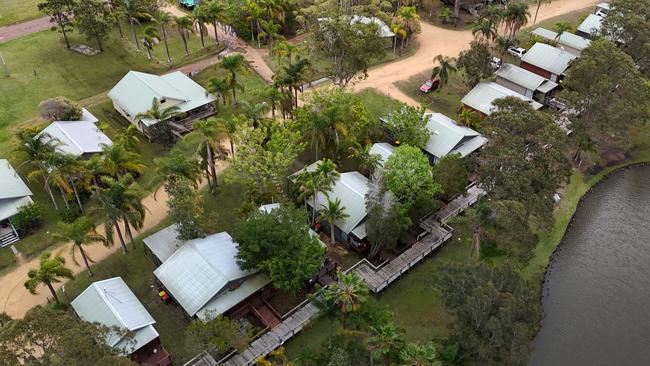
x,y
496,63
518,52
429,85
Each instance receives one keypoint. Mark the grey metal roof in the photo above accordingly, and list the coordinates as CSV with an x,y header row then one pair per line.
x,y
566,39
269,207
309,168
351,189
447,137
200,269
549,58
14,193
226,300
77,137
519,76
164,243
591,24
545,33
112,303
383,149
547,86
384,30
481,97
136,90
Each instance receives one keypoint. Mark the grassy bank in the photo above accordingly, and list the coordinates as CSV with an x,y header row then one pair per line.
x,y
14,11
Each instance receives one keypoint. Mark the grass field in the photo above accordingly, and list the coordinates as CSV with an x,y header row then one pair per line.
x,y
14,11
445,100
378,104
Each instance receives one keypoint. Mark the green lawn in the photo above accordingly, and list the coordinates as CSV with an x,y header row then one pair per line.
x,y
41,67
377,103
137,271
14,11
445,100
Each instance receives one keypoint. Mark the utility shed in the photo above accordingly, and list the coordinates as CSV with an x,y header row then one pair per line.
x,y
481,97
77,138
547,61
447,137
570,42
524,82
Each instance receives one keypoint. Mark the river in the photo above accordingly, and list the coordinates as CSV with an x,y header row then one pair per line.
x,y
597,288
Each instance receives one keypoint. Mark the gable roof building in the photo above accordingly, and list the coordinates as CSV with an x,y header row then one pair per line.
x,y
447,137
14,193
591,25
135,92
384,30
383,149
524,82
77,138
571,42
112,303
547,61
203,275
480,98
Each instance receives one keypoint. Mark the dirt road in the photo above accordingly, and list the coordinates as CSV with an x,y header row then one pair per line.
x,y
434,41
14,31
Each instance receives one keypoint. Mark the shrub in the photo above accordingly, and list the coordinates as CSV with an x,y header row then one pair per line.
x,y
59,109
28,219
69,215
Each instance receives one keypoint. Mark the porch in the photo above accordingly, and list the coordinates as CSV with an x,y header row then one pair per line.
x,y
8,234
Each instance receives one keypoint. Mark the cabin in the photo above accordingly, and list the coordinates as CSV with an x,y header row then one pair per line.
x,y
135,92
80,138
14,194
447,137
570,42
547,61
111,303
384,30
384,150
525,82
481,97
202,275
590,26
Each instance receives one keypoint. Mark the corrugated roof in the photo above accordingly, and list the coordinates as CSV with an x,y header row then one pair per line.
x,y
544,33
136,90
226,300
164,243
77,137
547,86
481,97
447,137
269,207
200,269
566,39
351,189
87,116
383,149
112,303
384,30
549,58
591,24
519,76
11,185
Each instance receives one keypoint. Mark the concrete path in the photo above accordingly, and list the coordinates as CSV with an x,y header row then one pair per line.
x,y
14,31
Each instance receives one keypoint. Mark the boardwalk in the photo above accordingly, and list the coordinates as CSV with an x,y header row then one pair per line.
x,y
459,204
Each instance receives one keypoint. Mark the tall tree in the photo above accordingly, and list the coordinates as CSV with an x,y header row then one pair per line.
x,y
60,12
408,125
134,10
560,28
119,161
451,173
408,175
230,127
216,12
184,26
515,16
186,209
220,89
484,30
475,63
539,4
92,19
51,270
81,232
414,354
348,294
200,17
235,65
628,23
408,16
386,340
177,166
208,130
155,113
215,333
320,180
38,149
280,244
446,67
163,18
333,212
150,35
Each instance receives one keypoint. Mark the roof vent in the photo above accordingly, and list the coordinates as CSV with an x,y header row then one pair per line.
x,y
436,132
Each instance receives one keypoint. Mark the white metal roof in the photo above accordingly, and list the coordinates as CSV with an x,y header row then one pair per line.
x,y
384,30
112,303
567,39
481,97
383,149
309,168
14,193
136,90
164,243
351,189
591,24
226,300
200,269
447,137
519,76
77,137
549,58
269,207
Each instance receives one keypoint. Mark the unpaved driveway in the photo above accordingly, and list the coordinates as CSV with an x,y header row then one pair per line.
x,y
13,31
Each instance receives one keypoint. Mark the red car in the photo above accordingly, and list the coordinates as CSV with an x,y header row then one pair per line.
x,y
429,85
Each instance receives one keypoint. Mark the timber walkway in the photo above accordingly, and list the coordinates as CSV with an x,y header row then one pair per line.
x,y
377,277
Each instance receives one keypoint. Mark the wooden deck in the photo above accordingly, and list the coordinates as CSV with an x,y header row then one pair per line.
x,y
460,203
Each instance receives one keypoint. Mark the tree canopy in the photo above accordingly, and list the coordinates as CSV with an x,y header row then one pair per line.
x,y
451,173
408,176
280,244
628,21
408,125
475,62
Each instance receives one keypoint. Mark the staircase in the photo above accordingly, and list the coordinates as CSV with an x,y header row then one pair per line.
x,y
9,237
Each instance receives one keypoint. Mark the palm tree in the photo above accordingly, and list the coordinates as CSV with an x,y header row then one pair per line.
x,y
293,76
216,12
50,271
515,17
284,51
116,13
128,139
234,64
184,26
66,171
270,31
484,29
446,67
163,18
176,166
273,9
321,180
502,44
348,294
208,130
254,112
157,114
199,17
539,4
150,32
398,29
332,212
416,355
119,161
560,28
254,14
229,127
386,340
219,88
329,310
57,166
274,96
38,149
81,232
468,117
134,10
368,162
408,15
